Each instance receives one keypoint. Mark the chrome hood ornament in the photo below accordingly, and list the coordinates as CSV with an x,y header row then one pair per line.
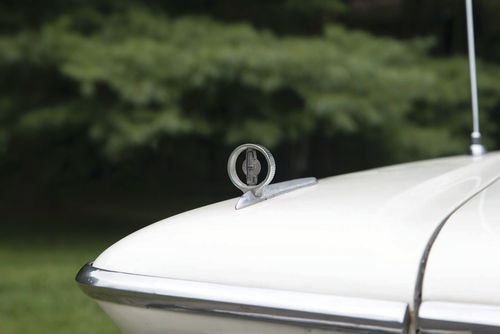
x,y
251,168
253,191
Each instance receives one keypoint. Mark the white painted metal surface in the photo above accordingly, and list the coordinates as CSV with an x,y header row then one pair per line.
x,y
357,235
464,263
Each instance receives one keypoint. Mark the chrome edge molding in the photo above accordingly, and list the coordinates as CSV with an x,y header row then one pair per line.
x,y
445,318
288,307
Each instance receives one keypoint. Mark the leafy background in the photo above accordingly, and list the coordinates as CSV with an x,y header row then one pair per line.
x,y
114,114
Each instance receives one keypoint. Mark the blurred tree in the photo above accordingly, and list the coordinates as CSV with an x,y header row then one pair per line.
x,y
129,78
110,91
281,16
445,20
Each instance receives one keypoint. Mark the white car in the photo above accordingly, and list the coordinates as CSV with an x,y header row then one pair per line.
x,y
412,248
400,249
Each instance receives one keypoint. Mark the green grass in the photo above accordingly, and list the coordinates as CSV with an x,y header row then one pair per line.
x,y
38,293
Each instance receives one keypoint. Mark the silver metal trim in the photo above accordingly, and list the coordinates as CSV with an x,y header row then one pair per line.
x,y
288,307
445,318
274,190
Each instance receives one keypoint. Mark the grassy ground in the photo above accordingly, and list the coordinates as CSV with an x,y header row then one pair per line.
x,y
38,293
43,247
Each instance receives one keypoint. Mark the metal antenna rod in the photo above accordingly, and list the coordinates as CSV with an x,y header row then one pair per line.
x,y
476,147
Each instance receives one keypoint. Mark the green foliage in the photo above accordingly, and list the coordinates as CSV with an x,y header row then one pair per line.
x,y
38,293
130,78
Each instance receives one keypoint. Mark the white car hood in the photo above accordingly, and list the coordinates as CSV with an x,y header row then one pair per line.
x,y
357,235
464,264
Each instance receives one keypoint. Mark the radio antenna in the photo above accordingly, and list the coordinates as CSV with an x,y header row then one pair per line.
x,y
476,147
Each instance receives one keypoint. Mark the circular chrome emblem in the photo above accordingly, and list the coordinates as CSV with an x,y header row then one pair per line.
x,y
251,168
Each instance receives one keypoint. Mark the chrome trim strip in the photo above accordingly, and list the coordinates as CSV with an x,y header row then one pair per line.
x,y
443,317
289,307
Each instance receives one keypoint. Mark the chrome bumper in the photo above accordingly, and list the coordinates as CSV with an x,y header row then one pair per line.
x,y
450,318
289,307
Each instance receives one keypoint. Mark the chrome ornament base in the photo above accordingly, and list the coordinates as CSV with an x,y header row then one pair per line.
x,y
254,192
273,190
